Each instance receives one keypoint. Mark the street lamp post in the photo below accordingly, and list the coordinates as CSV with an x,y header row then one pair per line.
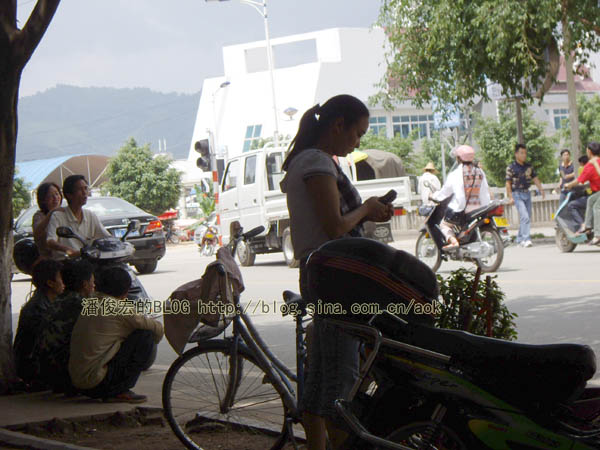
x,y
215,143
261,8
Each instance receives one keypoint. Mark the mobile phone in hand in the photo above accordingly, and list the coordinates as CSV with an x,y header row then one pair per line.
x,y
389,197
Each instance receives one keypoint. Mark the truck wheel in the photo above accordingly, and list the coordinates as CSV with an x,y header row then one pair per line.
x,y
288,249
245,254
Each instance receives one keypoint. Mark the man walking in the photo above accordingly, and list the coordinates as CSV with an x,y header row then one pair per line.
x,y
519,175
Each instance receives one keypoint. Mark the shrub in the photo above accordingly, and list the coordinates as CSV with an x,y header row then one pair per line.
x,y
460,312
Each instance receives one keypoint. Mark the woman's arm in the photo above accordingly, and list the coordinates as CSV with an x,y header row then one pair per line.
x,y
324,192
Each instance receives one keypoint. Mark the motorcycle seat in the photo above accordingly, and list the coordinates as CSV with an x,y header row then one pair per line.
x,y
476,212
546,374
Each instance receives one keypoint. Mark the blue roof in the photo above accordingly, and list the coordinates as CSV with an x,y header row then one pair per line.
x,y
36,171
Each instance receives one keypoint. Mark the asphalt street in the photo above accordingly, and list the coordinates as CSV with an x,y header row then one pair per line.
x,y
556,295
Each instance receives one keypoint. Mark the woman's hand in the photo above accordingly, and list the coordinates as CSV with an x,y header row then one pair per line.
x,y
58,208
377,211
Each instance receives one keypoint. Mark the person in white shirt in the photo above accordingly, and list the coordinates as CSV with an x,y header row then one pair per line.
x,y
471,191
82,221
428,183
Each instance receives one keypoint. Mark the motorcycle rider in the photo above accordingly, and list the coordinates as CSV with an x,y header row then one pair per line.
x,y
82,221
471,191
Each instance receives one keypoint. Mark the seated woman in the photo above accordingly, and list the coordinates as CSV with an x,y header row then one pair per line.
x,y
470,189
48,282
55,333
49,199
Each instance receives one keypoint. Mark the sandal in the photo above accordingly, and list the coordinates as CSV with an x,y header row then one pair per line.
x,y
595,241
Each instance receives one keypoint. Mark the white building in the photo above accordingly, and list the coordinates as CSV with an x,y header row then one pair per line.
x,y
309,69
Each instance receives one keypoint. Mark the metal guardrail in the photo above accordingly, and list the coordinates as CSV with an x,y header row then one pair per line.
x,y
541,210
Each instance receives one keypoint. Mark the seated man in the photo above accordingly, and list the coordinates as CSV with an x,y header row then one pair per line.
x,y
82,221
110,346
48,282
55,334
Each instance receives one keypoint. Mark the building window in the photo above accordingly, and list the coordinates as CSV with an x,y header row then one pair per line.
x,y
377,124
252,136
404,125
559,115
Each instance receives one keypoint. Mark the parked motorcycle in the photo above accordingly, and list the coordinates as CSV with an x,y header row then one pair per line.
x,y
482,239
566,227
421,387
109,252
448,389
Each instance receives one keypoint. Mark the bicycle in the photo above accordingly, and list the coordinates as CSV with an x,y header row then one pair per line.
x,y
237,381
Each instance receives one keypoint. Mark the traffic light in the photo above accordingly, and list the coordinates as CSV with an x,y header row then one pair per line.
x,y
202,146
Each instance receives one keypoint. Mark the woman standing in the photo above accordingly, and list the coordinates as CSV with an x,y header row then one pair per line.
x,y
49,199
324,205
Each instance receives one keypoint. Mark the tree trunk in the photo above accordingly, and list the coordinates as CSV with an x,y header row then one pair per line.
x,y
16,47
9,89
572,93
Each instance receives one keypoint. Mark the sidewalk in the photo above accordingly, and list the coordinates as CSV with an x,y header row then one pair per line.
x,y
26,408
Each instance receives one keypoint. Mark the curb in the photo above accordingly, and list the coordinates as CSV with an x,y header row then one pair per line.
x,y
24,440
28,441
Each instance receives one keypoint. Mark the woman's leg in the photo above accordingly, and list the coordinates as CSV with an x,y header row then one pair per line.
x,y
589,209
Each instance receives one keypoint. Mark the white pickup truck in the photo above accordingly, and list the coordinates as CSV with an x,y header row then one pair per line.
x,y
250,194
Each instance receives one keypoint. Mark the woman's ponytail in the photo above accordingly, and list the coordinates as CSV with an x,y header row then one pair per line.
x,y
307,135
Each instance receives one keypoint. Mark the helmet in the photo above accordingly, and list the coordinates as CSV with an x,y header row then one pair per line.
x,y
465,153
25,254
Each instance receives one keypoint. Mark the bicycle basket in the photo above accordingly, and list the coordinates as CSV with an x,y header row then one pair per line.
x,y
366,277
210,300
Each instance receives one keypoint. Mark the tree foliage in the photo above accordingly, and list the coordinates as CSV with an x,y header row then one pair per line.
x,y
497,141
453,49
588,111
461,312
146,181
21,196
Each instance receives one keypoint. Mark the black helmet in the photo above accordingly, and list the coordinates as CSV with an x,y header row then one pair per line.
x,y
25,254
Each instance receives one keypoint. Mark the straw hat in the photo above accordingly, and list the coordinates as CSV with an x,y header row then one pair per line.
x,y
431,167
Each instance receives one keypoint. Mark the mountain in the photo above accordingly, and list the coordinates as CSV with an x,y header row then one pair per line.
x,y
68,120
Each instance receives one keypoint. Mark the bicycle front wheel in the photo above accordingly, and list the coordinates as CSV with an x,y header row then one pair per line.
x,y
205,389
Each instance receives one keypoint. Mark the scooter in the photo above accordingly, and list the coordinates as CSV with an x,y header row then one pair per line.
x,y
482,239
109,252
566,228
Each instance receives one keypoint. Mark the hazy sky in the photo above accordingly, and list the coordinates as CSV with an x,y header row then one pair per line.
x,y
165,45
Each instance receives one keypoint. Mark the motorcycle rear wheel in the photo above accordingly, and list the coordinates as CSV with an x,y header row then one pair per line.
x,y
491,263
427,251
